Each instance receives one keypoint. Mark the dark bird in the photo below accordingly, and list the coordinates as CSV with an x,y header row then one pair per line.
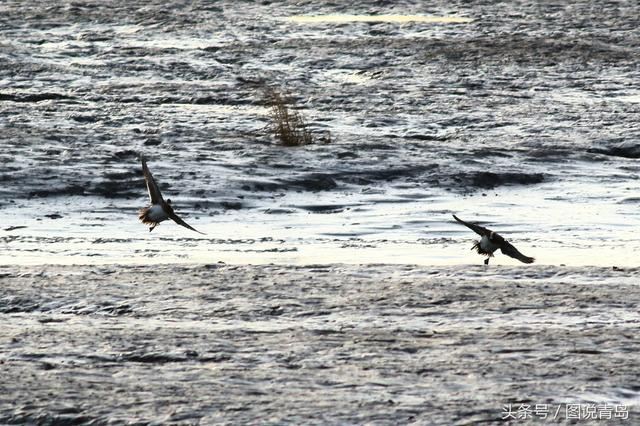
x,y
159,209
491,241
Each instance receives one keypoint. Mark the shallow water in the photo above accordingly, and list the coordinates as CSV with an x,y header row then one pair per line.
x,y
521,117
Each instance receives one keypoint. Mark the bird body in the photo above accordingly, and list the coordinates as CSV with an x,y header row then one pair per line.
x,y
153,214
159,210
491,241
486,245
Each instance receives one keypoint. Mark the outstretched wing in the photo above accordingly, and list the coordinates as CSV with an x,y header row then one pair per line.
x,y
511,251
154,192
179,221
480,230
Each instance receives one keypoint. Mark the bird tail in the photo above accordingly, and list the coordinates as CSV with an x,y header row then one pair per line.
x,y
476,246
143,215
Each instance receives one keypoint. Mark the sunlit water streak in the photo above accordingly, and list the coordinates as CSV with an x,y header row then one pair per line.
x,y
414,232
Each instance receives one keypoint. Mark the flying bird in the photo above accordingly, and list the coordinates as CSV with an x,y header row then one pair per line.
x,y
490,241
159,209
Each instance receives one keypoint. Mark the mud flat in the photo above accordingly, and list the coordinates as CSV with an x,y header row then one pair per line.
x,y
326,344
519,115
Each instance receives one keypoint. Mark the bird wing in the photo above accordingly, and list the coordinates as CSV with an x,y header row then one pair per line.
x,y
480,230
511,251
154,192
179,221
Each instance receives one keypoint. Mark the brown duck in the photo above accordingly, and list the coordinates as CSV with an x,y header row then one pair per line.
x,y
490,242
159,209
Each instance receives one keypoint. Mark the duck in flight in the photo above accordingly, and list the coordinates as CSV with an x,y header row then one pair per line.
x,y
490,241
159,209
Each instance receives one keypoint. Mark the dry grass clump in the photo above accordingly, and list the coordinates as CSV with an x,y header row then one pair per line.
x,y
287,124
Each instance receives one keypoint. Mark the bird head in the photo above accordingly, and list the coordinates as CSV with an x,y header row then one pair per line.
x,y
168,206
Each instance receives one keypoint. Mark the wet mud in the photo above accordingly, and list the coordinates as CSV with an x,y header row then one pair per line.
x,y
324,344
87,89
521,116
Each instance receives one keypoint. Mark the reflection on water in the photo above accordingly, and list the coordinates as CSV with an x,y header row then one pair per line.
x,y
399,19
630,99
217,109
420,232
